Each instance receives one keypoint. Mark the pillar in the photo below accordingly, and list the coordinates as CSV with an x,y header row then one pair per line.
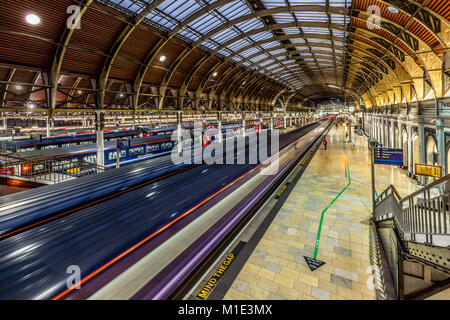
x,y
47,126
5,123
410,146
271,121
99,127
243,124
219,126
422,150
392,133
133,120
284,119
179,131
440,136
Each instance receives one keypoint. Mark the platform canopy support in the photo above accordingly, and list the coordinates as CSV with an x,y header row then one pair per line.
x,y
99,129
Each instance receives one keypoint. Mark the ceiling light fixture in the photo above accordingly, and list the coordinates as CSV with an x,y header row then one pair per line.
x,y
33,19
214,74
162,58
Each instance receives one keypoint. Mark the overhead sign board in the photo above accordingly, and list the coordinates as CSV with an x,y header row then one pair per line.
x,y
388,156
428,170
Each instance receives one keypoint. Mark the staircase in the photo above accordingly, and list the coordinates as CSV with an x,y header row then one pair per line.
x,y
413,235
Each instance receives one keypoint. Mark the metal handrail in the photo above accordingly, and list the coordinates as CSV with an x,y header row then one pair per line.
x,y
46,170
390,189
420,214
427,187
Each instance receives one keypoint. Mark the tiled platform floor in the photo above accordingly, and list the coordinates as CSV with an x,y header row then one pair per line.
x,y
277,269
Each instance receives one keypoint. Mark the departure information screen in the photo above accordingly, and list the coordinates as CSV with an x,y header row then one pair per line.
x,y
388,156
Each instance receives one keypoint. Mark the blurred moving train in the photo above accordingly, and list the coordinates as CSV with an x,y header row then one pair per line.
x,y
42,143
67,159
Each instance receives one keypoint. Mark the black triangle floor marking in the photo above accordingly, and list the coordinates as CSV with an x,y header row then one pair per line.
x,y
313,264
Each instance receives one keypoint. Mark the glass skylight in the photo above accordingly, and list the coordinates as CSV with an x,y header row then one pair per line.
x,y
241,44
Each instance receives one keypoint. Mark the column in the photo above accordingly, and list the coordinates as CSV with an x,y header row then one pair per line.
x,y
179,131
422,150
219,126
47,126
133,120
410,146
284,117
99,127
392,133
271,121
5,123
440,136
243,124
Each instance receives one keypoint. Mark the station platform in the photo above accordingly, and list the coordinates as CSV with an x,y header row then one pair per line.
x,y
277,268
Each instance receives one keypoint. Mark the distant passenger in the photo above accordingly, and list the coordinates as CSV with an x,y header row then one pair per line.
x,y
325,143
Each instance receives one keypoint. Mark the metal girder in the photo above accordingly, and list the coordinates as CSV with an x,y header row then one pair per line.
x,y
241,76
285,9
246,93
4,91
267,28
320,45
118,43
161,43
421,6
221,79
55,70
251,16
248,83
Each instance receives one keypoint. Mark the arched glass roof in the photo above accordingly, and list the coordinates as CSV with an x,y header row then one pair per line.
x,y
168,15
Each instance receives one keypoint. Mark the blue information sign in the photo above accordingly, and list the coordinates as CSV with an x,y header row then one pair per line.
x,y
388,156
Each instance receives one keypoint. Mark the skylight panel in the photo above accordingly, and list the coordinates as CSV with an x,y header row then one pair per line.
x,y
188,33
209,44
261,36
238,45
206,23
340,3
250,25
316,40
179,9
274,52
283,17
234,10
260,57
291,30
224,35
249,52
298,40
273,3
265,63
270,44
316,30
311,16
337,19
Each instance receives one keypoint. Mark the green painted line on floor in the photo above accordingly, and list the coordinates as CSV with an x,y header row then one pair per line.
x,y
316,249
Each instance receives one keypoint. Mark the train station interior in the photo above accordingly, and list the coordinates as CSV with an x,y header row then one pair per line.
x,y
225,150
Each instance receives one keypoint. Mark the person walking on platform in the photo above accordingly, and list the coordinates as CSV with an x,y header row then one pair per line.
x,y
325,143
